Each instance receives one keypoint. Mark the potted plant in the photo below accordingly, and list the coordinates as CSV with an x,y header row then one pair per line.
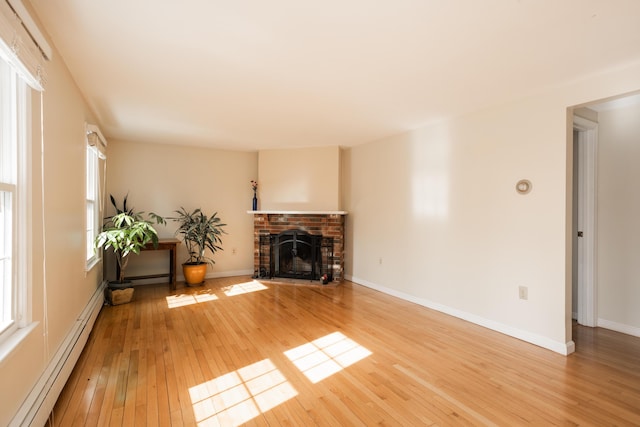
x,y
125,233
199,233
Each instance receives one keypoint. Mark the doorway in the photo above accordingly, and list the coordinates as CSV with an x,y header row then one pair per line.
x,y
584,286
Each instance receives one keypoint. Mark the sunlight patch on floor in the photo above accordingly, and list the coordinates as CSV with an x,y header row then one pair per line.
x,y
174,301
244,288
326,356
237,397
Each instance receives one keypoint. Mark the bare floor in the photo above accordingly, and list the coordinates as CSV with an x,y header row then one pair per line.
x,y
237,351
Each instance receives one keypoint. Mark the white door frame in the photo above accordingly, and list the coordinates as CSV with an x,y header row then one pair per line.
x,y
587,204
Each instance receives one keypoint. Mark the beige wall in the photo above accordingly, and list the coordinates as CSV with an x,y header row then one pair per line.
x,y
162,178
305,179
68,287
434,216
618,250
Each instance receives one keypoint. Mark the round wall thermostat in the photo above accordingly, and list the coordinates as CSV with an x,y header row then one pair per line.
x,y
523,186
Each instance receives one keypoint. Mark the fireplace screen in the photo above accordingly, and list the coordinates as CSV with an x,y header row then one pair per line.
x,y
296,254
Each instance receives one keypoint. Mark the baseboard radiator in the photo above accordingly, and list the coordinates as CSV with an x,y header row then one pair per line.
x,y
39,403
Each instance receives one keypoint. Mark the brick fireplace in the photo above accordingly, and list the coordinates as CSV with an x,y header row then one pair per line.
x,y
327,228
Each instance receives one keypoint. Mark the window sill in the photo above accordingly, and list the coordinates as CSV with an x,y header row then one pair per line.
x,y
92,263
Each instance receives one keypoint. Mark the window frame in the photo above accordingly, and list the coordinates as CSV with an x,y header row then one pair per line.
x,y
91,219
93,192
18,119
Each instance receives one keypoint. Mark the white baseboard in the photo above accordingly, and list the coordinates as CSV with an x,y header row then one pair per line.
x,y
619,327
210,275
39,403
559,347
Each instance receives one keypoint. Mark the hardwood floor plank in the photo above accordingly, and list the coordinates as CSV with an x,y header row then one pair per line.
x,y
107,405
134,387
240,352
160,346
151,415
80,388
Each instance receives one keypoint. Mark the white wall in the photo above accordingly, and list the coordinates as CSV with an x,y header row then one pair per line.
x,y
434,216
618,251
303,179
162,178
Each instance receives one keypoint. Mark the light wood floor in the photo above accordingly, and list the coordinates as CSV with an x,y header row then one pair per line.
x,y
237,351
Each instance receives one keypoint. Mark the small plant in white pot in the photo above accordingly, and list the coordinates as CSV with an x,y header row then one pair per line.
x,y
125,233
200,232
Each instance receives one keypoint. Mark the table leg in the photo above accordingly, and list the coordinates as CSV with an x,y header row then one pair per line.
x,y
172,268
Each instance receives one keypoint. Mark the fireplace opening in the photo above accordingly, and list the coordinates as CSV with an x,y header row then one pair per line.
x,y
296,254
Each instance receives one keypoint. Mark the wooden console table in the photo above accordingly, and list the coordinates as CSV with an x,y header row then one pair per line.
x,y
163,245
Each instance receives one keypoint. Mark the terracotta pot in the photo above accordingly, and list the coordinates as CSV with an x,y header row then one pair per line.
x,y
194,273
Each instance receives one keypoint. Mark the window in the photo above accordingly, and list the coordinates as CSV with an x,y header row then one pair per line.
x,y
13,114
23,55
92,208
94,159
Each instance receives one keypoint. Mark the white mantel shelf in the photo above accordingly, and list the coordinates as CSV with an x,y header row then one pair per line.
x,y
297,212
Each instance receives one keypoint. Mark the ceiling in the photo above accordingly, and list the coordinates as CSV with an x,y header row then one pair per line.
x,y
254,74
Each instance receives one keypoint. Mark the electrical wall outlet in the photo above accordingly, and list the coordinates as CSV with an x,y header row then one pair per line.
x,y
523,292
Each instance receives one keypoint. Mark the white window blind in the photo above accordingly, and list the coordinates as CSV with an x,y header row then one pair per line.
x,y
17,45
